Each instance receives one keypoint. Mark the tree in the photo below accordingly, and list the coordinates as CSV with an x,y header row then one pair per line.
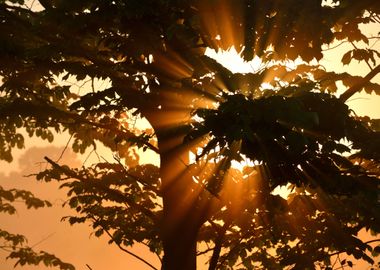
x,y
288,124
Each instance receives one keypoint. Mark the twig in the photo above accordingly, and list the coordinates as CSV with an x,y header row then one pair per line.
x,y
346,41
92,85
31,5
343,251
43,239
89,154
336,261
204,251
64,149
157,254
336,46
365,60
125,250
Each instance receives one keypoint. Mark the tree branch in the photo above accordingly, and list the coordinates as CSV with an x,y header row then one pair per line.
x,y
216,253
218,245
343,251
42,110
204,251
346,41
127,251
114,192
357,87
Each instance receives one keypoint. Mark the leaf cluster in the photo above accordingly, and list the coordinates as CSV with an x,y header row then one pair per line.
x,y
122,202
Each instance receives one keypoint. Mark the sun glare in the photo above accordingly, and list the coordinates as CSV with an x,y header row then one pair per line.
x,y
233,61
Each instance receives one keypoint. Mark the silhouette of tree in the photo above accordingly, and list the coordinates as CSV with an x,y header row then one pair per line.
x,y
145,60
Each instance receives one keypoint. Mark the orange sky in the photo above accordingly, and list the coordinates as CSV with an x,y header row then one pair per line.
x,y
70,243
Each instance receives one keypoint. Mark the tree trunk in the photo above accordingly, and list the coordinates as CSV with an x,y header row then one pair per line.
x,y
182,213
182,219
180,246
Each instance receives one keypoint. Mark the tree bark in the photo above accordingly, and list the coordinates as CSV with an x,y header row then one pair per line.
x,y
180,246
182,218
183,211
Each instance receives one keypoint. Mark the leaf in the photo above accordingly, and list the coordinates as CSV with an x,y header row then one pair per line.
x,y
66,76
99,232
346,59
369,88
364,55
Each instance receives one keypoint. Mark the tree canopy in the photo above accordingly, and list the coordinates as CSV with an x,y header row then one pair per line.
x,y
291,127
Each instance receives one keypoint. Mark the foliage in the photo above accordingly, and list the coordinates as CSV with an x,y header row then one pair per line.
x,y
15,244
145,60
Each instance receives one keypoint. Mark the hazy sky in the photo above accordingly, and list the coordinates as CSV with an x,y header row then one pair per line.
x,y
43,227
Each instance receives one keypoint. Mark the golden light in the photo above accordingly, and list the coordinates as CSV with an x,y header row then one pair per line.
x,y
178,101
232,60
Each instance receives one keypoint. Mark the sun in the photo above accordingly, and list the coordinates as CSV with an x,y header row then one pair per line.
x,y
232,60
